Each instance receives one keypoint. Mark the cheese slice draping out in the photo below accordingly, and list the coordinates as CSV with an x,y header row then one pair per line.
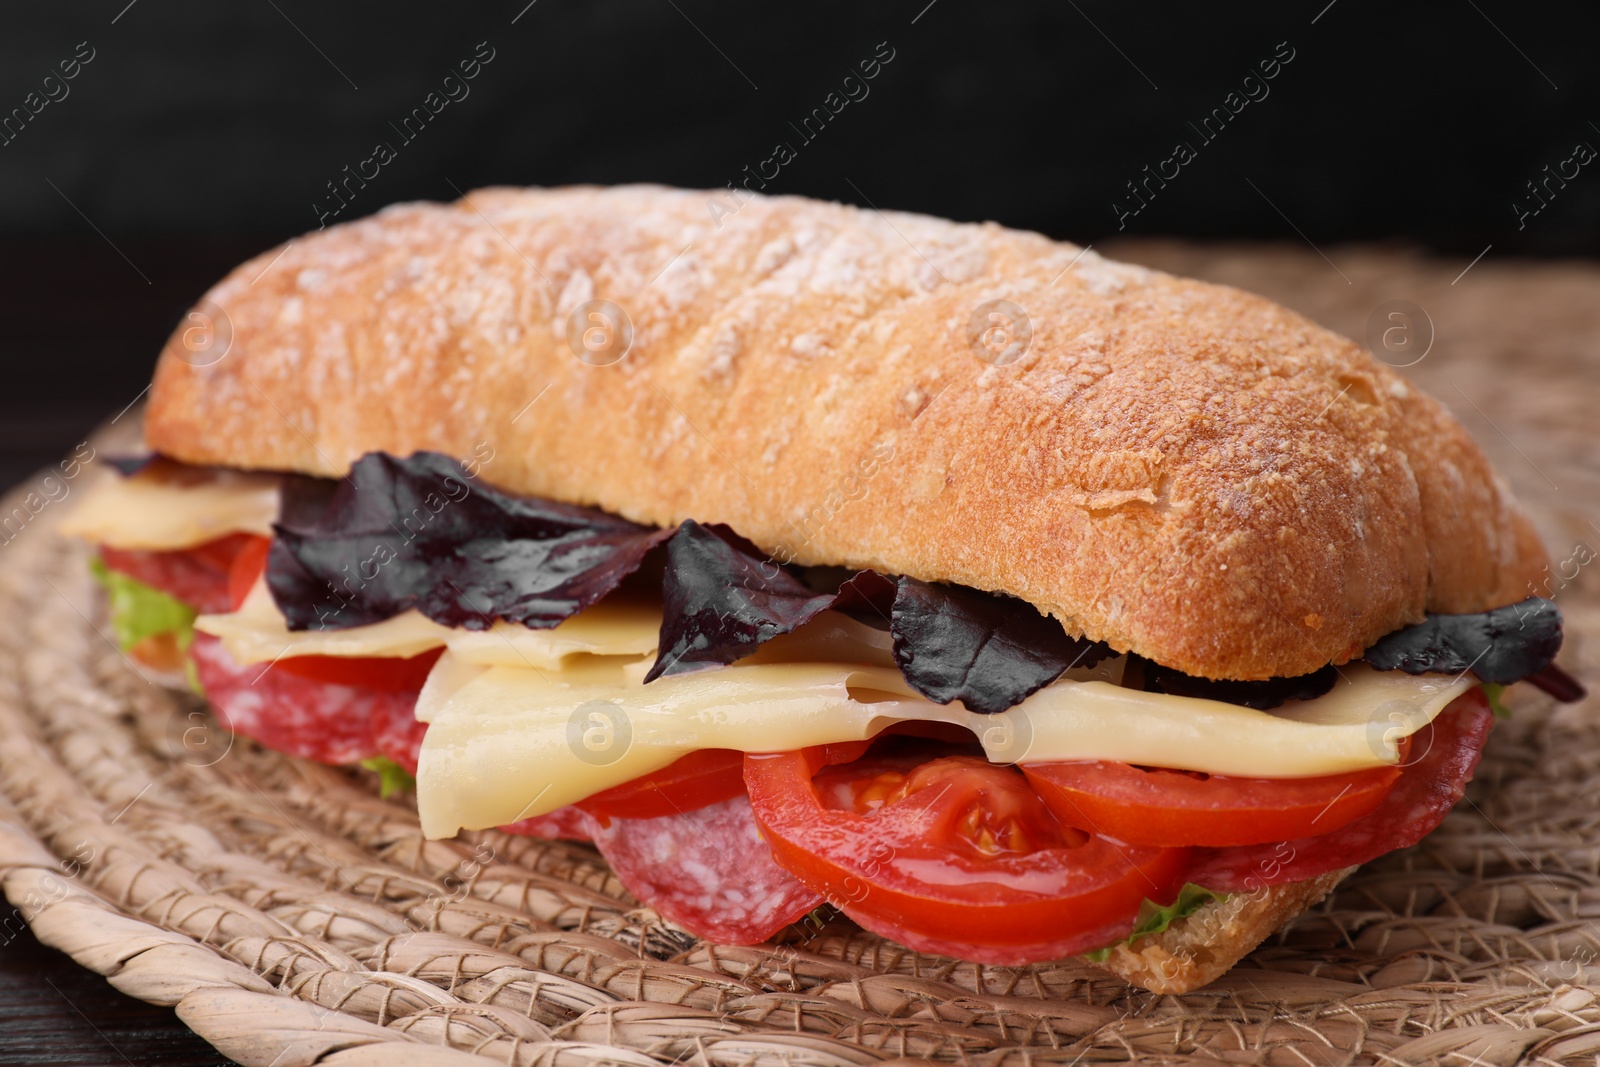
x,y
142,512
617,626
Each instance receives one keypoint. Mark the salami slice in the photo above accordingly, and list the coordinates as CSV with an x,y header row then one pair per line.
x,y
318,720
396,733
197,576
563,824
1429,788
709,871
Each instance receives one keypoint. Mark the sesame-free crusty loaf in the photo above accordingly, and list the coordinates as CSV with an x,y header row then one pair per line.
x,y
1179,469
1200,948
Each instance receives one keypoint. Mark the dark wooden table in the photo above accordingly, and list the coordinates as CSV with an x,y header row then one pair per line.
x,y
54,1012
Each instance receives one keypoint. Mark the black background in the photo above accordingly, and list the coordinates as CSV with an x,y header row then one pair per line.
x,y
202,133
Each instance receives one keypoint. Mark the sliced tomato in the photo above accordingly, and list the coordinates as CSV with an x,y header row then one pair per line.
x,y
247,566
695,781
951,854
197,576
220,553
1152,806
1442,758
390,673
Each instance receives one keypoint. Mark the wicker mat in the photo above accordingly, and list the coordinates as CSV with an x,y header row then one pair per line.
x,y
293,917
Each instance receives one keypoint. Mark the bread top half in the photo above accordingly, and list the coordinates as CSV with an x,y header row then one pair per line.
x,y
1182,470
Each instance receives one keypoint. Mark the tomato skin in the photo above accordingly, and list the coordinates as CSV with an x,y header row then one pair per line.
x,y
1178,808
700,779
900,871
1441,760
390,674
221,553
247,566
198,576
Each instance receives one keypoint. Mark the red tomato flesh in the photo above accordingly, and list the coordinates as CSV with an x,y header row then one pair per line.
x,y
247,566
1442,757
197,576
695,781
1152,806
951,854
389,673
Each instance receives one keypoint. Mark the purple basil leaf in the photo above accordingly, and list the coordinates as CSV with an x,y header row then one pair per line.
x,y
988,651
722,600
1262,695
398,534
1501,646
1559,684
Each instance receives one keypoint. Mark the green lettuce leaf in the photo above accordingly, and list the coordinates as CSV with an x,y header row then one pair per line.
x,y
1154,918
392,778
1493,692
139,611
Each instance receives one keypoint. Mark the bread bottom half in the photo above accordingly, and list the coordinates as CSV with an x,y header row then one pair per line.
x,y
1202,947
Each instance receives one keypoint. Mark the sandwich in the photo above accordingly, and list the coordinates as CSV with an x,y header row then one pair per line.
x,y
1016,603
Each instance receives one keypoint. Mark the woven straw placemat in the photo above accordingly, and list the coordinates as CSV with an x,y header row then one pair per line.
x,y
293,917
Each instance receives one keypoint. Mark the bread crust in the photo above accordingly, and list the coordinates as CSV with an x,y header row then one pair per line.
x,y
1200,948
1179,469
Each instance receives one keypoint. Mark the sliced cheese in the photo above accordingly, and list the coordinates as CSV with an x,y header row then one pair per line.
x,y
617,626
258,633
505,743
146,512
614,627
